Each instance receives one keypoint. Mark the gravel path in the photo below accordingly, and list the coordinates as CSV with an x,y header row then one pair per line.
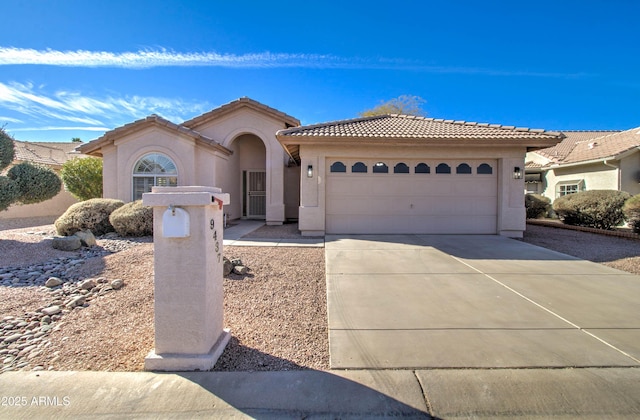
x,y
276,313
620,253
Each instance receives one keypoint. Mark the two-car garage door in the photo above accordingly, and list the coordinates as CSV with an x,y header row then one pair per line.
x,y
410,196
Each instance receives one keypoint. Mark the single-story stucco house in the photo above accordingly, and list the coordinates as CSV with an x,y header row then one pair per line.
x,y
586,160
382,174
50,154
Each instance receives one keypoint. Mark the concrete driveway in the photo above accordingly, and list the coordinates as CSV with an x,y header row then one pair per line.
x,y
440,301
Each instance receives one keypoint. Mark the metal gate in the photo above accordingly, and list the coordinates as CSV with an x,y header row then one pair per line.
x,y
256,195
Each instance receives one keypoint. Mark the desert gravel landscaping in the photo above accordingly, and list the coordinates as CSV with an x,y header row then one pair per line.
x,y
276,313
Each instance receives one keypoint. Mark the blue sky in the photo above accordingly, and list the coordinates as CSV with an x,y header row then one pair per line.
x,y
79,68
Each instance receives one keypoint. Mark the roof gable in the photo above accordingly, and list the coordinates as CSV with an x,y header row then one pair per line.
x,y
94,146
240,103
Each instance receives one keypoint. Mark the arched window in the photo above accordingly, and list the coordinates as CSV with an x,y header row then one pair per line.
x,y
463,168
401,168
338,167
443,168
423,168
359,167
152,170
484,169
380,168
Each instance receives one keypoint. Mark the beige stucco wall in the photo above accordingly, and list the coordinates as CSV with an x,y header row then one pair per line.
x,y
227,129
630,173
511,211
195,164
596,176
53,207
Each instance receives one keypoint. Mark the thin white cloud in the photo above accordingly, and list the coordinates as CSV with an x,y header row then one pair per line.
x,y
60,108
10,119
162,57
61,128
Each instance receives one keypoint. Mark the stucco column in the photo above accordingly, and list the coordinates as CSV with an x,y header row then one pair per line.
x,y
275,187
511,212
188,293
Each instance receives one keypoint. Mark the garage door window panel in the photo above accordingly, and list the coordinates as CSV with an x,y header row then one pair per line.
x,y
484,169
443,168
380,168
463,168
338,167
422,168
401,168
359,168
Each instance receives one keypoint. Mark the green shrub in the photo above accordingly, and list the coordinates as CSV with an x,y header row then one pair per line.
x,y
601,209
8,192
631,210
91,214
83,177
7,149
537,205
133,219
35,183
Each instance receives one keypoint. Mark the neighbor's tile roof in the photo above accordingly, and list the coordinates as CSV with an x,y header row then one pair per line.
x,y
51,154
405,126
610,145
561,150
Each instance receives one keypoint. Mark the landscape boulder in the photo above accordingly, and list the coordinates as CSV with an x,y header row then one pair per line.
x,y
66,243
86,237
53,282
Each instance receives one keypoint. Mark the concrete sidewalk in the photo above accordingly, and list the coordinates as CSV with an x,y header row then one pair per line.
x,y
233,236
508,393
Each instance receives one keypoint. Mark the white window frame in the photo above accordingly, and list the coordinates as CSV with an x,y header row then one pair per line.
x,y
569,187
167,176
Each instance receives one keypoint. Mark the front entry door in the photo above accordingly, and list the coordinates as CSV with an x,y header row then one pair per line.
x,y
256,194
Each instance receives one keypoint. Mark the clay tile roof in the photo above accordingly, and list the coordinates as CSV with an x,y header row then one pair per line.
x,y
561,150
51,154
532,165
405,126
610,145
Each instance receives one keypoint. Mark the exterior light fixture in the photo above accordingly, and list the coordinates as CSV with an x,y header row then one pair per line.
x,y
310,171
517,173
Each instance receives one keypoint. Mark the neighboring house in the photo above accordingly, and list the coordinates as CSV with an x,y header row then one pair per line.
x,y
384,174
403,174
53,155
586,160
232,147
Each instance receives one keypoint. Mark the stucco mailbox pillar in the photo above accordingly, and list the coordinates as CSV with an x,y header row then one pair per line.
x,y
188,293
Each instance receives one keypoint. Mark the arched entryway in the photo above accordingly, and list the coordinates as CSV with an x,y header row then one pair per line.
x,y
251,184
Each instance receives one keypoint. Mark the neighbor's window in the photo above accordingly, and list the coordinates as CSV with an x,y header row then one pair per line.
x,y
569,187
153,170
